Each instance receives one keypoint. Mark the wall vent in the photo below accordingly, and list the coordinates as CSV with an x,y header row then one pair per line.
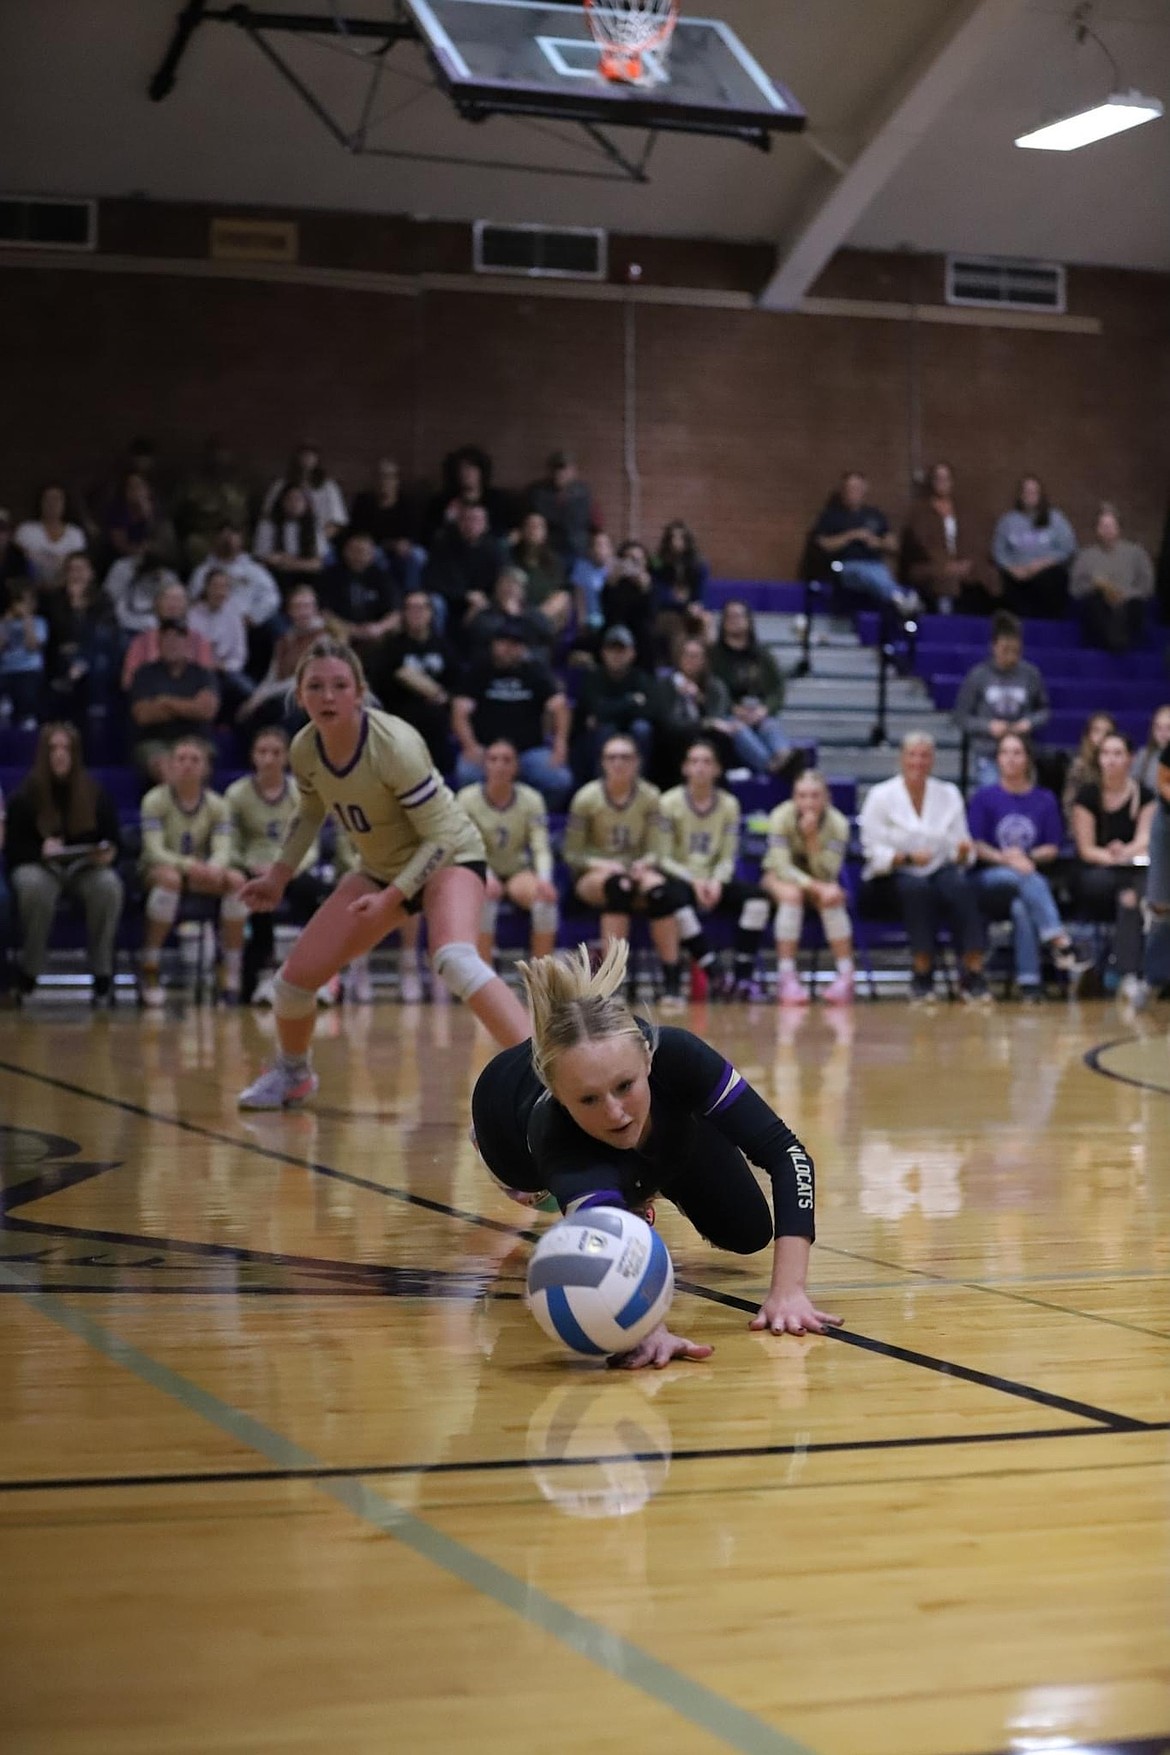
x,y
542,252
1005,284
35,222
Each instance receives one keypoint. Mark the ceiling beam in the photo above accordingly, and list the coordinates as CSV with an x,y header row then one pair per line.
x,y
937,74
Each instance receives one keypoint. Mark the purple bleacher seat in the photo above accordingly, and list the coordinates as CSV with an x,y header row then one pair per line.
x,y
777,596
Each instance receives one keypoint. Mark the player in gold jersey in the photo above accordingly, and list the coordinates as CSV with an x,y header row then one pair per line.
x,y
416,848
513,820
701,825
186,846
613,846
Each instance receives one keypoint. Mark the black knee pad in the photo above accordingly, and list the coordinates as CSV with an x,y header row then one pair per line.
x,y
618,891
661,901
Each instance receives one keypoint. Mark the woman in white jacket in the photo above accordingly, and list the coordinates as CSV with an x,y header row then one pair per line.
x,y
916,843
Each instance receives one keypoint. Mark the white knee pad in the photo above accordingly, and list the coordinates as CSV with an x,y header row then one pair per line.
x,y
162,905
837,924
545,917
292,1002
753,916
231,908
789,917
488,915
461,968
688,923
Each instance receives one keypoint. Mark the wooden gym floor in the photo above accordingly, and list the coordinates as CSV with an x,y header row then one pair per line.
x,y
284,1464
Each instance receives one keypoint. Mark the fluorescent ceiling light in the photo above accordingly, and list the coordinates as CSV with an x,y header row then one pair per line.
x,y
1125,109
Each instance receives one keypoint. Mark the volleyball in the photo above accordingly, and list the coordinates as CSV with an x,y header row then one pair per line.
x,y
600,1281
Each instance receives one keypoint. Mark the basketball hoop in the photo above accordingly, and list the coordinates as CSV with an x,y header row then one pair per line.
x,y
626,30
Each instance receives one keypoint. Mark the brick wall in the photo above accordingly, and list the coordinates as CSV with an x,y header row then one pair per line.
x,y
743,418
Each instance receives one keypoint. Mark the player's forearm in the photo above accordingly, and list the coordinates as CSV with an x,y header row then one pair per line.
x,y
790,1258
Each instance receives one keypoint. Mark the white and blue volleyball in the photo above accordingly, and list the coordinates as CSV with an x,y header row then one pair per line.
x,y
600,1281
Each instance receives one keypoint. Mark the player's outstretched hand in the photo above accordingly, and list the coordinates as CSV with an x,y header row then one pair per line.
x,y
658,1349
262,894
793,1313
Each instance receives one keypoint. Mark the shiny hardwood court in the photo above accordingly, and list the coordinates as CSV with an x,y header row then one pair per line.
x,y
285,1465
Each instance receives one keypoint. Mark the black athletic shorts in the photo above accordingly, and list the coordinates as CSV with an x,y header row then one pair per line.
x,y
414,904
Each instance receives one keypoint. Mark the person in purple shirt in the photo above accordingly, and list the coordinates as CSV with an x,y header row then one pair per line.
x,y
1017,830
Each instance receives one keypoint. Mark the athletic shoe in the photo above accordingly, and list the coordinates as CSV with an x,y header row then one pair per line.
x,y
791,991
1133,991
672,1002
839,991
278,1088
410,987
330,992
265,993
229,995
922,990
150,990
700,984
1032,995
973,989
359,989
748,990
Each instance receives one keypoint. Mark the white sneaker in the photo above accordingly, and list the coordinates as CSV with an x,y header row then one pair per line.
x,y
150,988
265,993
330,993
278,1088
359,989
410,987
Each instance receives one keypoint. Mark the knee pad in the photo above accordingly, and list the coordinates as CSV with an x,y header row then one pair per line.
x,y
659,902
461,968
753,916
488,916
162,905
837,924
789,917
545,917
618,891
292,1002
231,908
688,923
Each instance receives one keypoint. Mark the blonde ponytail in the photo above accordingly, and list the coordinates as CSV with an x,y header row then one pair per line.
x,y
571,1002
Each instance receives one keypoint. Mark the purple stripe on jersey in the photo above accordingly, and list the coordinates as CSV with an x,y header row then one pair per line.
x,y
340,773
604,1197
410,800
727,1088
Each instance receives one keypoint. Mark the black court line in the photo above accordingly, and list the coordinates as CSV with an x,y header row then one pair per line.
x,y
511,1464
1092,1059
1158,1744
1003,1385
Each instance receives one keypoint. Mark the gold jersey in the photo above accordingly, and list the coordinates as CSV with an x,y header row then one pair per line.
x,y
700,844
399,814
259,824
174,836
789,859
515,835
601,830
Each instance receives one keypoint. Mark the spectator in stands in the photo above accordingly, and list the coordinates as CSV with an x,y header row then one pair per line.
x,y
415,676
255,592
170,605
756,688
616,696
467,481
627,599
1001,693
1112,580
1148,759
613,846
590,574
23,637
171,699
544,572
63,840
1156,966
271,701
513,820
359,600
133,522
465,562
13,564
325,499
84,647
216,619
1085,767
1032,547
1111,820
187,850
289,541
917,846
807,841
515,698
567,506
509,603
700,851
214,496
680,577
938,552
393,523
5,914
1017,832
132,586
691,702
855,537
48,540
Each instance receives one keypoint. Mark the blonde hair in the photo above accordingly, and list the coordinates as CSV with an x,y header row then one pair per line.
x,y
325,646
571,1002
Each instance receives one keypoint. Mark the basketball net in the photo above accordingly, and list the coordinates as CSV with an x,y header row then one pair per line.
x,y
625,30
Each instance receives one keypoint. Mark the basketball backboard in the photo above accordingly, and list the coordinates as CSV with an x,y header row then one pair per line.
x,y
522,57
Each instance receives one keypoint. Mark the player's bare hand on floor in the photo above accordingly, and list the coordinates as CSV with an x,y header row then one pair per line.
x,y
658,1349
793,1313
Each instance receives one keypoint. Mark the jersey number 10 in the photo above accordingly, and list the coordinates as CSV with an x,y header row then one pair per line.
x,y
353,818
